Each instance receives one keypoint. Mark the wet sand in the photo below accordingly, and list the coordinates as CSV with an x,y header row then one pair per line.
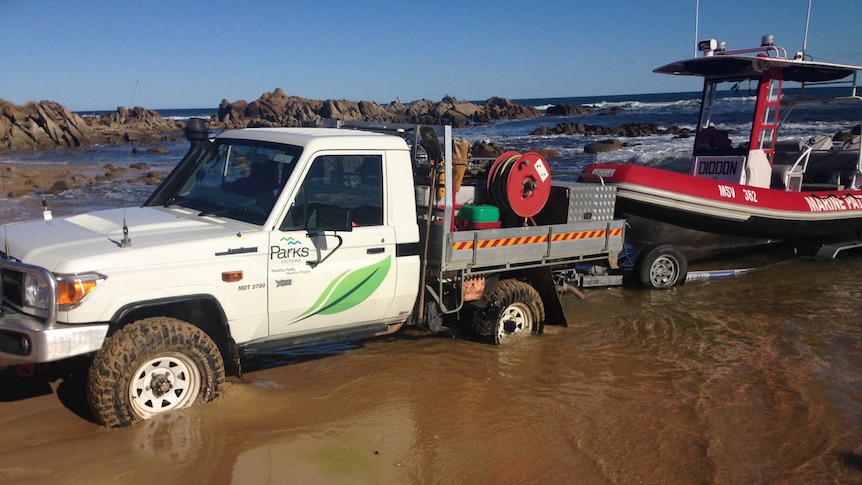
x,y
748,380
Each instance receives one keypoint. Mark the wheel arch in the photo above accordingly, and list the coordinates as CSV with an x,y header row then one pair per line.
x,y
203,311
512,306
542,280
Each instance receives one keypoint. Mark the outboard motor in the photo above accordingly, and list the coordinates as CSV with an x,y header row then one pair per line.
x,y
198,136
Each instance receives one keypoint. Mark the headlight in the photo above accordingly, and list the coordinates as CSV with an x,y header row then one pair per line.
x,y
73,289
35,291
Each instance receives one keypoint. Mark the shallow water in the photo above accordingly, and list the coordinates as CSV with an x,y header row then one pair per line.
x,y
753,379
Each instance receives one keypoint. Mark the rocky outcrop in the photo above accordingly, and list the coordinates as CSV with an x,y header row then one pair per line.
x,y
568,110
546,152
137,125
504,109
626,130
603,146
279,109
629,130
486,149
578,110
50,125
47,124
41,125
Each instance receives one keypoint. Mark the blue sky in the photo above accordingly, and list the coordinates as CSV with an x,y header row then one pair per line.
x,y
97,55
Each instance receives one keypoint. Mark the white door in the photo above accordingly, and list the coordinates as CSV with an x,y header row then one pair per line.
x,y
331,261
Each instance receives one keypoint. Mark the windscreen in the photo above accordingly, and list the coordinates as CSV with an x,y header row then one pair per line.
x,y
238,179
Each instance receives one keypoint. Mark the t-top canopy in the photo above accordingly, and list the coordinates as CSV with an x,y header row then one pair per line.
x,y
739,67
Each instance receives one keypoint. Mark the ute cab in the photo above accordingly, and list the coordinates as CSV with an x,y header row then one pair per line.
x,y
258,236
325,227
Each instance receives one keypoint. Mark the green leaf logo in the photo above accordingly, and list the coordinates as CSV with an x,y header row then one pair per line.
x,y
349,289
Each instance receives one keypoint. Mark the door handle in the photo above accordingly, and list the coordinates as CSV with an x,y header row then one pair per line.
x,y
375,250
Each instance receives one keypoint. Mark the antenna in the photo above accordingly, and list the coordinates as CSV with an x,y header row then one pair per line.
x,y
126,242
133,93
805,39
5,229
696,18
46,212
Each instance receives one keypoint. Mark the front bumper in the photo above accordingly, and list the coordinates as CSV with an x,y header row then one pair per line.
x,y
25,339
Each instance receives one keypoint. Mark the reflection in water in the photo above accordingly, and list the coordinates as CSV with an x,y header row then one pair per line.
x,y
177,447
174,437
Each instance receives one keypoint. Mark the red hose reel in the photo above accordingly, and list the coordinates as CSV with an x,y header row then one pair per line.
x,y
520,183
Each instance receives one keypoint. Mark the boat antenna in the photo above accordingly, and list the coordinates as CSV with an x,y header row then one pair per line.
x,y
805,39
696,18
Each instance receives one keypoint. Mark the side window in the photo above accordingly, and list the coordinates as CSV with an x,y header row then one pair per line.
x,y
339,186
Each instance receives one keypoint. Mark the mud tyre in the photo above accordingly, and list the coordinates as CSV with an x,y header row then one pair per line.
x,y
150,367
514,309
661,267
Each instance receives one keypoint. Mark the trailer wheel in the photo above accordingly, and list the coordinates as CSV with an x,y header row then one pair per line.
x,y
150,367
661,267
515,308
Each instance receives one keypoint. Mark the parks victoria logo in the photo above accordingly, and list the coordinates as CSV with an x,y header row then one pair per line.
x,y
288,248
347,290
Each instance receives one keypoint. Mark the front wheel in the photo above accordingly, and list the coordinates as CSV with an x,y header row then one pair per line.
x,y
515,308
661,267
151,367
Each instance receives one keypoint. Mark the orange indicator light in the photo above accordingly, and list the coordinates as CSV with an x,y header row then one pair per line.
x,y
231,276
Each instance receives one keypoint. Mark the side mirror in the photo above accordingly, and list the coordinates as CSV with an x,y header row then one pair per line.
x,y
330,218
333,218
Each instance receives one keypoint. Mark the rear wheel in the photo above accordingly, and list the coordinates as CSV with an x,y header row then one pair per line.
x,y
515,308
661,267
151,367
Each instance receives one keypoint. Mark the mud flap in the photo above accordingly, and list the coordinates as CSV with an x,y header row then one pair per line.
x,y
542,279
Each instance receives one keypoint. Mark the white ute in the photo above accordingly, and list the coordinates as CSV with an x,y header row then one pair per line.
x,y
264,239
